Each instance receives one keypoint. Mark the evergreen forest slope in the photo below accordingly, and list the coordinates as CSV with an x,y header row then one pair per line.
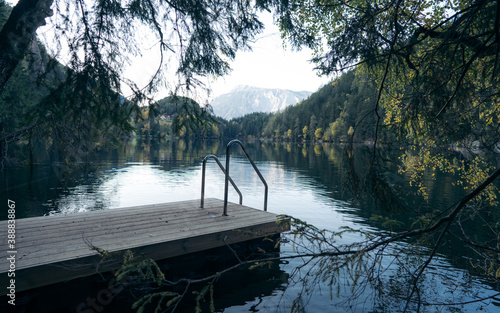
x,y
333,113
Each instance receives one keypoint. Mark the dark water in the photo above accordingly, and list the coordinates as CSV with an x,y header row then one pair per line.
x,y
309,182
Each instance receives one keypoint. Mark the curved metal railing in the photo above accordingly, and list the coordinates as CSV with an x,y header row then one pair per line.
x,y
226,184
205,159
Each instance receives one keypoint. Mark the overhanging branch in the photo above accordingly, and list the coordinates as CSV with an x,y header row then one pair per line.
x,y
12,136
26,17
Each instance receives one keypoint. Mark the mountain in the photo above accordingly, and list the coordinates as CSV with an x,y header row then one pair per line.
x,y
245,100
333,113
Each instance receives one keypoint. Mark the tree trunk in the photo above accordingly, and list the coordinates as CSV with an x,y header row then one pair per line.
x,y
18,32
12,136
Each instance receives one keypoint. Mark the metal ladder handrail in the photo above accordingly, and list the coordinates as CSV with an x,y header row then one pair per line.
x,y
205,159
226,184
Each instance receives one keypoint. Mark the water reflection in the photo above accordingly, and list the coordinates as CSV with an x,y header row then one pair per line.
x,y
132,185
305,181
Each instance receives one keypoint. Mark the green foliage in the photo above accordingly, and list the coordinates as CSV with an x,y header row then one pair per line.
x,y
471,173
305,133
253,124
194,38
387,222
318,133
139,269
176,115
298,306
19,99
327,114
5,10
200,297
435,64
80,108
169,298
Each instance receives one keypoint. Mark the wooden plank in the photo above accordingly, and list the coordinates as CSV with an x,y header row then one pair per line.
x,y
52,273
37,236
136,238
77,224
106,236
53,223
56,248
89,216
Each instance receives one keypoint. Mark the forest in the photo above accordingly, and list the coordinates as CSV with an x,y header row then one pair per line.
x,y
337,112
423,74
342,111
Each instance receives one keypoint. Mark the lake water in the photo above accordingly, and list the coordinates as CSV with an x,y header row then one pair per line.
x,y
307,182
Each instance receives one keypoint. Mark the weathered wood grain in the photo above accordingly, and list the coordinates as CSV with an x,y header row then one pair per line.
x,y
52,249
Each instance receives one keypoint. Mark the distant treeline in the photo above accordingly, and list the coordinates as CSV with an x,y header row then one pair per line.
x,y
340,111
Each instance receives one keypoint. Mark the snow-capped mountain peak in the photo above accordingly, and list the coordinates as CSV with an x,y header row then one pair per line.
x,y
244,100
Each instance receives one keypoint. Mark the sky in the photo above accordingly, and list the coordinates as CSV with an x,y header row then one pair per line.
x,y
268,65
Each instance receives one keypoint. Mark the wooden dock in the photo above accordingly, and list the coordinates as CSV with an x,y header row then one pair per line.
x,y
52,249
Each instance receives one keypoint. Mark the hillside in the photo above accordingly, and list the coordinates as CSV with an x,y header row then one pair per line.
x,y
245,100
51,112
332,113
176,115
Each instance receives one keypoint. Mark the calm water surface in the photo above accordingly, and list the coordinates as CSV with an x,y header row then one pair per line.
x,y
305,181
